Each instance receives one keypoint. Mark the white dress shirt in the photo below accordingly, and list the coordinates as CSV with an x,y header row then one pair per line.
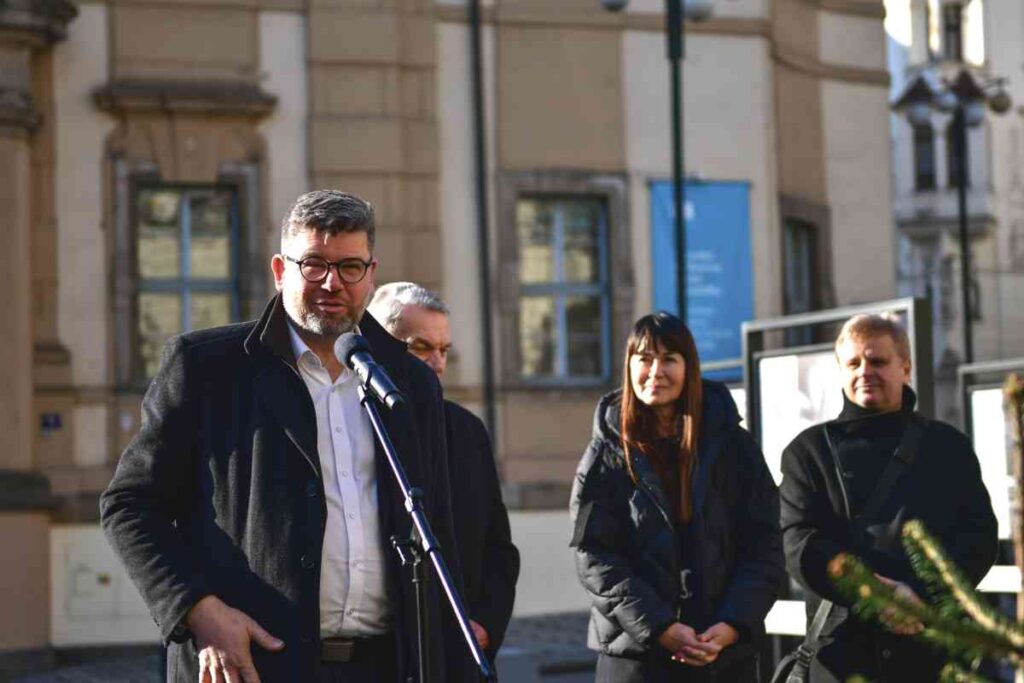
x,y
353,598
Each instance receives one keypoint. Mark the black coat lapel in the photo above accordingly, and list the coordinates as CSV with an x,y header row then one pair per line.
x,y
286,398
278,385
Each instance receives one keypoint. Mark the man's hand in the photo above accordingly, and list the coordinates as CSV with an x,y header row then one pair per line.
x,y
223,637
721,633
682,641
482,639
900,627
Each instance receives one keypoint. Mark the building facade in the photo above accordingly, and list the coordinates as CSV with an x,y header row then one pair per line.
x,y
150,148
932,42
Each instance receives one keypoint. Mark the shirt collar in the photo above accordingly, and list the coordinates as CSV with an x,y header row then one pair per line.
x,y
301,349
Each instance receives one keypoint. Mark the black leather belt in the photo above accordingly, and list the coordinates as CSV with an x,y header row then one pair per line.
x,y
351,649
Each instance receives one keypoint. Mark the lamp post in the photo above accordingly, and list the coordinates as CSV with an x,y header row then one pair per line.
x,y
675,12
965,99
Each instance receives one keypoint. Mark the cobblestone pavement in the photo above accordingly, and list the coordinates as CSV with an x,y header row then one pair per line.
x,y
557,643
145,669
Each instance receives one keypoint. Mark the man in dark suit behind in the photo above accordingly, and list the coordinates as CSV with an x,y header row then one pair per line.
x,y
489,560
253,509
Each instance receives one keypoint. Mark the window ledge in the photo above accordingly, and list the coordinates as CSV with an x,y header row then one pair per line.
x,y
35,23
202,97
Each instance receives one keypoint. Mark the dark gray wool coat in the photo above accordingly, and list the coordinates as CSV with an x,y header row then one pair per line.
x,y
221,492
489,560
943,489
627,552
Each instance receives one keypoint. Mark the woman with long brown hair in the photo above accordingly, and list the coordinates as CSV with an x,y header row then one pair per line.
x,y
675,522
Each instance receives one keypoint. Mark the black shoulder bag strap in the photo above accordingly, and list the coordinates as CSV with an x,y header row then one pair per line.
x,y
902,459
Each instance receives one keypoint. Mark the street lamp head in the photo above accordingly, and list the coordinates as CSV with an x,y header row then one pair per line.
x,y
698,10
919,113
974,114
614,5
1000,101
946,101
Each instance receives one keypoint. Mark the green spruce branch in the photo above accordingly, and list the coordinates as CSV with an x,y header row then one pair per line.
x,y
963,638
934,567
953,673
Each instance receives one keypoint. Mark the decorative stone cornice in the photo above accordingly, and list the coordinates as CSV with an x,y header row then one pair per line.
x,y
239,99
17,110
36,23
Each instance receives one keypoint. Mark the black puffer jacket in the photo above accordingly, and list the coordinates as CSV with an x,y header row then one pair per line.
x,y
627,554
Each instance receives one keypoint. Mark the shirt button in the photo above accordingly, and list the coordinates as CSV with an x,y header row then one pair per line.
x,y
338,429
344,473
306,562
351,515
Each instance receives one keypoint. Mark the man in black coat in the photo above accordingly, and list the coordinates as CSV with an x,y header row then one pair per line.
x,y
829,472
489,560
253,510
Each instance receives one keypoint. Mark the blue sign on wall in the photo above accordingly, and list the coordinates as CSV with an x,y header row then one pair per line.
x,y
719,272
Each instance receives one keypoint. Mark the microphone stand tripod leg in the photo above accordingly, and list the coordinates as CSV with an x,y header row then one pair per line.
x,y
411,555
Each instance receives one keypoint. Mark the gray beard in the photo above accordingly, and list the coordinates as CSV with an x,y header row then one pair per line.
x,y
324,327
329,329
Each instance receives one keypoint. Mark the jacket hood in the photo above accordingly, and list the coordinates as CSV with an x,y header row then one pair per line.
x,y
719,414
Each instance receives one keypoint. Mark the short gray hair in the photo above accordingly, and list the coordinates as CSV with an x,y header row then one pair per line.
x,y
330,212
391,299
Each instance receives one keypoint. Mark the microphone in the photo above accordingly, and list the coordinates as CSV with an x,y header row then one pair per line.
x,y
354,352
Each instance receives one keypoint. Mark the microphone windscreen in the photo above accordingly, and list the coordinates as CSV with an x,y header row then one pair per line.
x,y
348,344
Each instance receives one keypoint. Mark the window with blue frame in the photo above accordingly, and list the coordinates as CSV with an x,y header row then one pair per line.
x,y
186,265
564,303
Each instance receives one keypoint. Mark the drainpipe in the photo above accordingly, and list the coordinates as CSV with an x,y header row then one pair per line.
x,y
482,213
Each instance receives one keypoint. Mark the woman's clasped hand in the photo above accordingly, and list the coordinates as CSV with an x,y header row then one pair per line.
x,y
689,647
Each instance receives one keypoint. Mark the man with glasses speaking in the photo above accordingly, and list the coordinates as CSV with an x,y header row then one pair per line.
x,y
252,511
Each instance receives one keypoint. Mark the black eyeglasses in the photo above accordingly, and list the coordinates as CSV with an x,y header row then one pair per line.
x,y
316,269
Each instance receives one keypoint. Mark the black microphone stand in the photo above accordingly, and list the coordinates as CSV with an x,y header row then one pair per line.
x,y
424,543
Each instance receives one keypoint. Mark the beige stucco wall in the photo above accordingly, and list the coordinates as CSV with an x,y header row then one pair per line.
x,y
856,124
548,76
847,40
284,71
728,122
1005,53
746,9
202,41
25,582
459,234
80,65
16,416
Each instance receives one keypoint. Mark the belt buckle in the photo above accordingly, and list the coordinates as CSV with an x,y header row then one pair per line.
x,y
337,649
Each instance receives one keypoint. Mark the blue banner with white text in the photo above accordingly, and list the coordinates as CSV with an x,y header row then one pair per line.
x,y
719,271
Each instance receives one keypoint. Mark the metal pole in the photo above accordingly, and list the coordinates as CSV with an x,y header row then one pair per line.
x,y
674,26
482,209
960,135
